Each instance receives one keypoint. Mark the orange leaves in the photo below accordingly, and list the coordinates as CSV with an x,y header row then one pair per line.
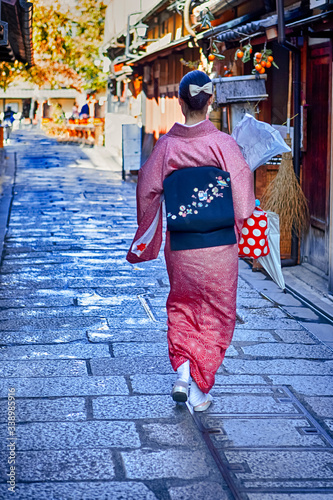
x,y
63,49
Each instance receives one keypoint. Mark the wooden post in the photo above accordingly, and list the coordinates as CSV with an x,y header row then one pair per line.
x,y
330,254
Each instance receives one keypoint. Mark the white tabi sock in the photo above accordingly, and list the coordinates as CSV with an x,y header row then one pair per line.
x,y
196,396
183,372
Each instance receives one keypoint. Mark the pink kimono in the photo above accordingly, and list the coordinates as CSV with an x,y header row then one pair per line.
x,y
201,305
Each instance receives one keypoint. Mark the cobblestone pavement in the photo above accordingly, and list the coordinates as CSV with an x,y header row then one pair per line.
x,y
84,352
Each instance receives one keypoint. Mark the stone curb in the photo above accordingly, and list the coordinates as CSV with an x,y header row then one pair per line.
x,y
8,168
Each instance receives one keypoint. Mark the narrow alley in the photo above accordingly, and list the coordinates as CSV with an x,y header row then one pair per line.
x,y
84,355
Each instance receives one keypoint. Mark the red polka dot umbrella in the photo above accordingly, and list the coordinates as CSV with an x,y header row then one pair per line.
x,y
254,240
260,240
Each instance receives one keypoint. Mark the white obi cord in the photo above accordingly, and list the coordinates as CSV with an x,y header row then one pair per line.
x,y
140,245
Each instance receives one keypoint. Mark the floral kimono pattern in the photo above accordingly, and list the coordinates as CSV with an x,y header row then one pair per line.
x,y
201,305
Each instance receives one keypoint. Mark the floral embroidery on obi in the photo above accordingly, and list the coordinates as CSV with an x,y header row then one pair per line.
x,y
202,198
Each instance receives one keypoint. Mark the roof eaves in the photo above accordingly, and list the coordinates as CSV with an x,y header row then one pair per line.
x,y
228,33
27,11
152,11
224,27
17,16
159,50
309,20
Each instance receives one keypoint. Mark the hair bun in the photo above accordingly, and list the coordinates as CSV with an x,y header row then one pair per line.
x,y
196,79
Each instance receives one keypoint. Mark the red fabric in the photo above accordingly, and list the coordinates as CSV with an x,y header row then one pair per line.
x,y
254,241
201,305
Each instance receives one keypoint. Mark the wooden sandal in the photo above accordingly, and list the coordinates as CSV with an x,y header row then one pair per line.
x,y
204,406
180,391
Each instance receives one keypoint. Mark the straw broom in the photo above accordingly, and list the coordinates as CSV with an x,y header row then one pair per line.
x,y
284,194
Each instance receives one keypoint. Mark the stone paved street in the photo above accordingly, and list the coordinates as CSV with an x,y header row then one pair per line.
x,y
83,345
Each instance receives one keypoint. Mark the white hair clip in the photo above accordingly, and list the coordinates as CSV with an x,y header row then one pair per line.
x,y
195,89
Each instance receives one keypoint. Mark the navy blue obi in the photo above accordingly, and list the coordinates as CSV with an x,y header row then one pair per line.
x,y
199,207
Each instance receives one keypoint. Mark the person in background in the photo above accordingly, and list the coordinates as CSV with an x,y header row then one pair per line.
x,y
75,111
84,113
201,305
8,120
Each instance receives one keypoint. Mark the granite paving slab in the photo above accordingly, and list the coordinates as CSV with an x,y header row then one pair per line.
x,y
42,337
150,464
73,436
265,432
61,465
246,380
302,313
253,336
278,367
260,323
289,351
64,351
45,410
322,331
128,366
329,424
31,324
199,491
150,349
36,302
221,389
152,384
284,465
296,337
250,404
18,281
178,434
322,406
88,490
135,407
74,312
64,386
129,335
124,322
252,304
36,294
43,368
309,386
290,496
136,349
111,281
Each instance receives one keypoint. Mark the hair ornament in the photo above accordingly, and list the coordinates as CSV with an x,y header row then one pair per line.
x,y
196,89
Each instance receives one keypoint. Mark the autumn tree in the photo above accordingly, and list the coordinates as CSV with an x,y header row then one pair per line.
x,y
9,72
67,37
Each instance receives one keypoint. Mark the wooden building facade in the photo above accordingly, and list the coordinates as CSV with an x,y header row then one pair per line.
x,y
155,69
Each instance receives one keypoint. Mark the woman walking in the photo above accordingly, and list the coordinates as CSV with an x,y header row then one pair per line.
x,y
203,267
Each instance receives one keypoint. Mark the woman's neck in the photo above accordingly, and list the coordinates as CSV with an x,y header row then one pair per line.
x,y
192,120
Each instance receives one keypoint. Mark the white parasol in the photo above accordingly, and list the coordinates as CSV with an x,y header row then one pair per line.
x,y
258,141
272,262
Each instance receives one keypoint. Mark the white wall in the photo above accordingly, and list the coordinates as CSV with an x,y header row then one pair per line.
x,y
118,11
113,132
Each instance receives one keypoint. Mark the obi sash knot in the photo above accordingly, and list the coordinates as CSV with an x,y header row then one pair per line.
x,y
199,208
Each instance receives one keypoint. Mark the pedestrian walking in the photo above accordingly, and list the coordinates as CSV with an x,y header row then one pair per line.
x,y
201,258
84,113
8,120
75,111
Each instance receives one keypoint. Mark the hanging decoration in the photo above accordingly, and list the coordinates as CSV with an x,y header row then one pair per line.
x,y
263,60
244,53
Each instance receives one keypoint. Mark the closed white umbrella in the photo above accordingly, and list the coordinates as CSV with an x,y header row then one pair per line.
x,y
272,262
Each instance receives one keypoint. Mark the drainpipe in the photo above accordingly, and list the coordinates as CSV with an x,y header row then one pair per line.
x,y
297,111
